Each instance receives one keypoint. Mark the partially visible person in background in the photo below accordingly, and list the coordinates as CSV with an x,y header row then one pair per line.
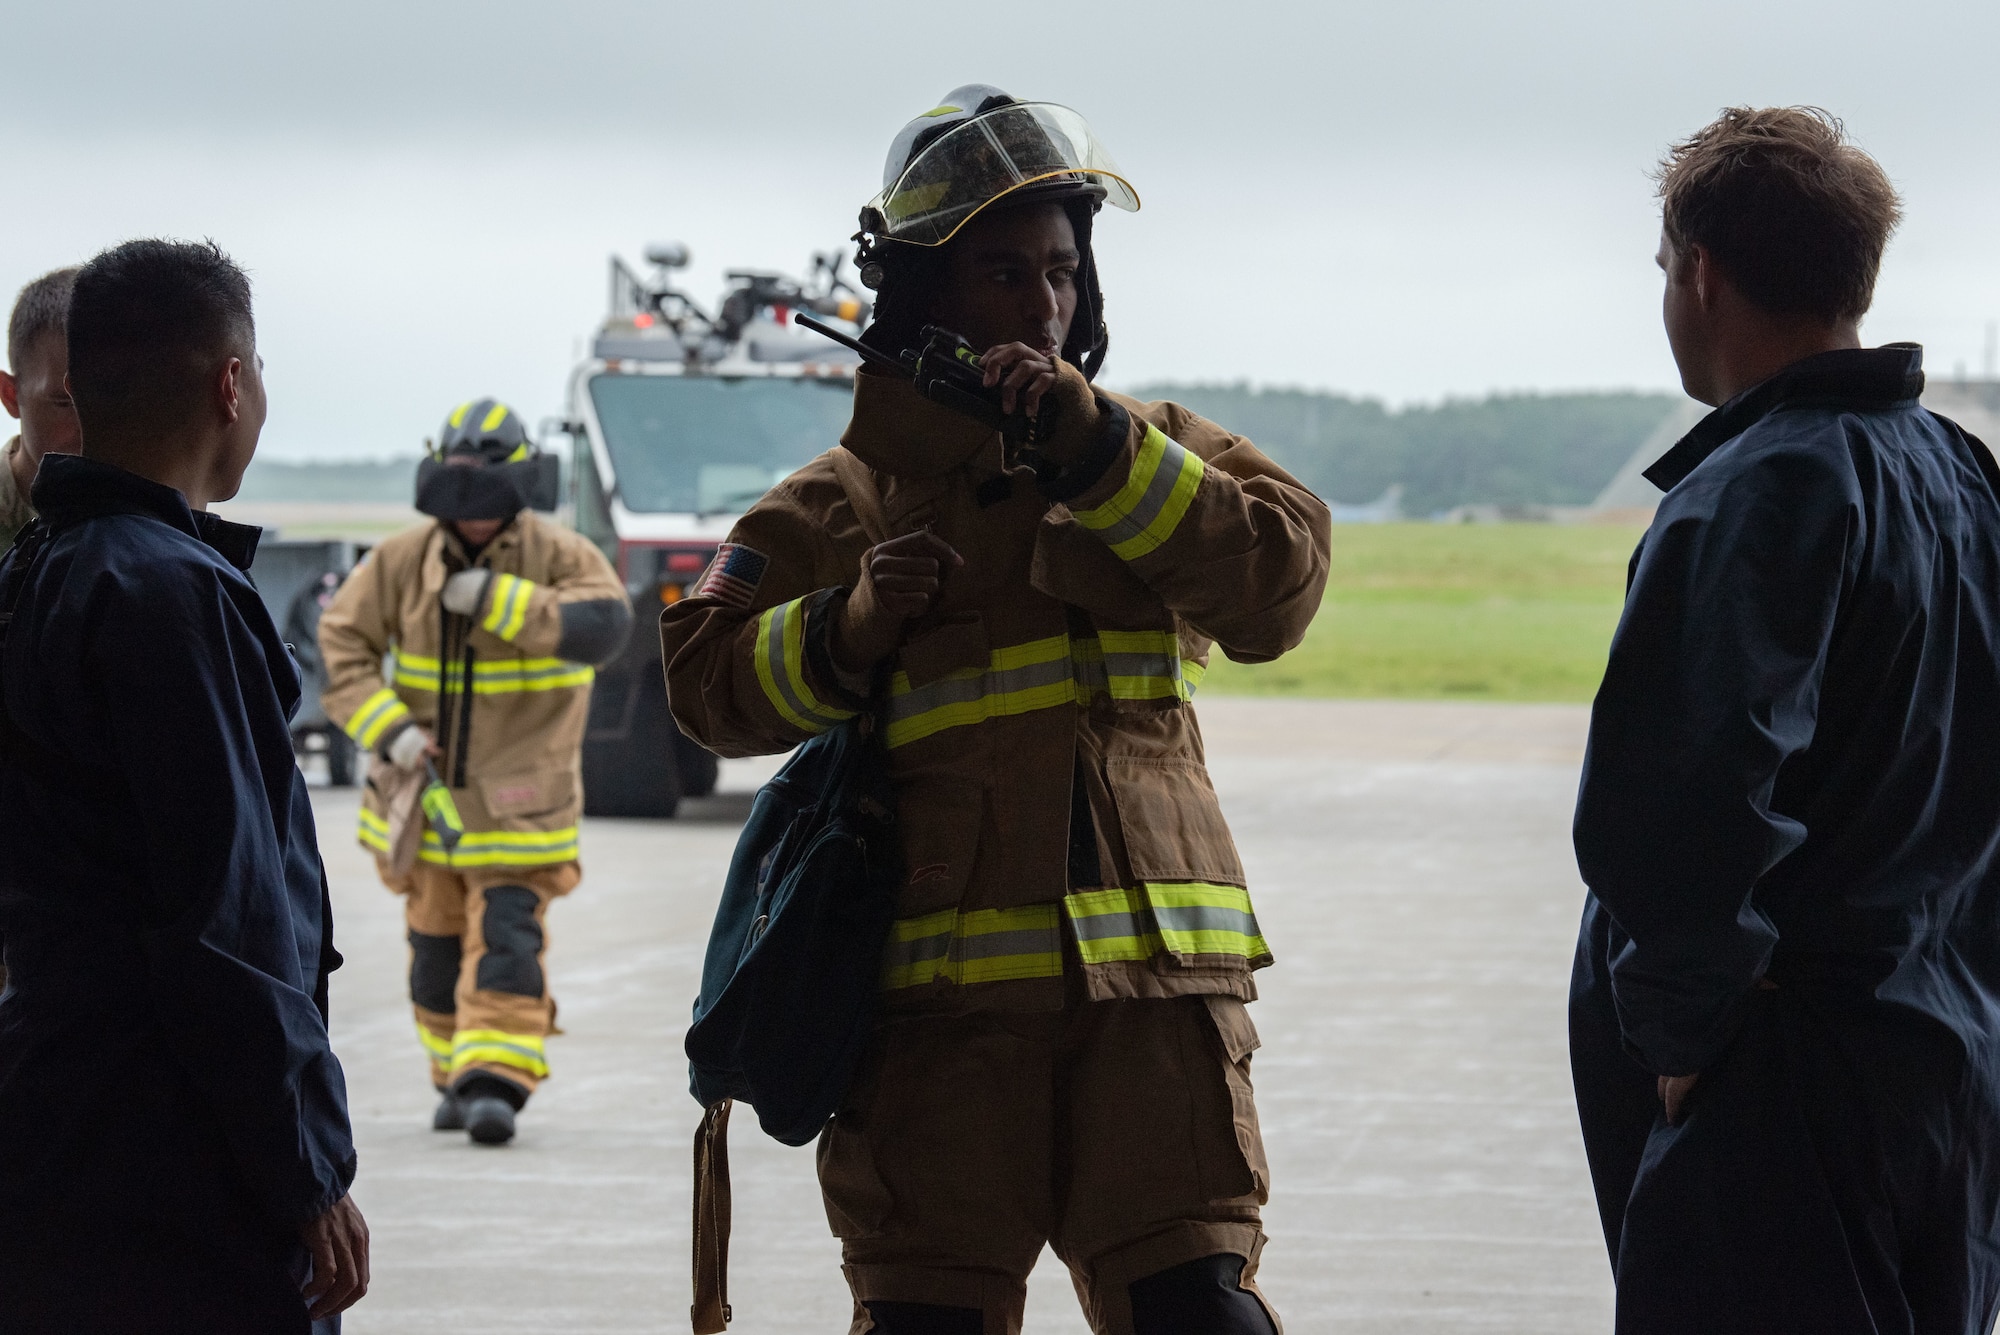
x,y
495,618
34,393
175,1152
1783,1011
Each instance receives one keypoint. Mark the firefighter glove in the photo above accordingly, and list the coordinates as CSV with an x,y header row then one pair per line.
x,y
465,591
900,579
1079,419
407,749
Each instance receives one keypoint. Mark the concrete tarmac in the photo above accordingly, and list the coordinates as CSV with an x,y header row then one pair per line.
x,y
1411,867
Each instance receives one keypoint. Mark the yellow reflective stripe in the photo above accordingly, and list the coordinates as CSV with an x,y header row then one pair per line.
x,y
1145,511
507,606
780,655
378,713
1041,674
458,413
494,677
419,674
1192,672
1174,917
1143,665
438,1048
498,1047
494,417
480,848
1018,679
981,946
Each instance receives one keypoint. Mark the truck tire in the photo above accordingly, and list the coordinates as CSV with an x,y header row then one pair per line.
x,y
699,767
340,759
635,774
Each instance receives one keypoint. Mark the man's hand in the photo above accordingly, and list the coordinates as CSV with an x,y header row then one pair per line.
x,y
465,591
338,1241
1674,1092
410,747
900,579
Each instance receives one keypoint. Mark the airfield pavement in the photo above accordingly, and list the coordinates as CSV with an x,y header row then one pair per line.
x,y
1412,869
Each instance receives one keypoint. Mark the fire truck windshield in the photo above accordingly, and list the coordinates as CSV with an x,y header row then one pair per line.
x,y
713,444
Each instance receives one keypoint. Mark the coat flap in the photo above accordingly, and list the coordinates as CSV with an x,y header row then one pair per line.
x,y
957,645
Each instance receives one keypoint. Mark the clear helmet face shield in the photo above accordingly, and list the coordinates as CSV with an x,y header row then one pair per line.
x,y
1024,146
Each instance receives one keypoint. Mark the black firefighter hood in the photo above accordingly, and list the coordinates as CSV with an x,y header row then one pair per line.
x,y
450,491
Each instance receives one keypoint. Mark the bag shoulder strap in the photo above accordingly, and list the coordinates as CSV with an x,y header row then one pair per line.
x,y
858,481
710,1313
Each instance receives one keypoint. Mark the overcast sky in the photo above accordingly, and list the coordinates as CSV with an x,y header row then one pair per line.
x,y
1410,201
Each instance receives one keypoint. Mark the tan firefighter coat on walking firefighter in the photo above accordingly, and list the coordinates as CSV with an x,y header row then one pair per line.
x,y
505,692
1062,841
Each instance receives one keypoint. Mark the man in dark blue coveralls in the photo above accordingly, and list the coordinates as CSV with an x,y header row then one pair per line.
x,y
174,1144
1785,1013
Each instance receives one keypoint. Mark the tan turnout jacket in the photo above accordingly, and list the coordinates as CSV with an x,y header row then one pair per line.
x,y
513,742
1069,644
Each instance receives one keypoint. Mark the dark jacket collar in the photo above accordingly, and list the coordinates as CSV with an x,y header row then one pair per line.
x,y
70,488
1860,377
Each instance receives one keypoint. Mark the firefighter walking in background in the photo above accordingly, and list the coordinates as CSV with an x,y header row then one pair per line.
x,y
490,620
1064,1054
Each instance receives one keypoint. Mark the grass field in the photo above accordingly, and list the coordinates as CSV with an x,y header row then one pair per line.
x,y
1455,611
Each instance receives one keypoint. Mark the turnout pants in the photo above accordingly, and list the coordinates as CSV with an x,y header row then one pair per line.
x,y
478,945
1834,1173
1121,1133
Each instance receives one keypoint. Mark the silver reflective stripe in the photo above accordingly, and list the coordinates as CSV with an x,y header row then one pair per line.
x,y
939,694
781,640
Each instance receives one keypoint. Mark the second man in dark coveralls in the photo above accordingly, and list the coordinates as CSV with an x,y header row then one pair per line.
x,y
1784,1004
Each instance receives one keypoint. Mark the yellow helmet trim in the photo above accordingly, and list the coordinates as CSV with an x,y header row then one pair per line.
x,y
494,417
458,413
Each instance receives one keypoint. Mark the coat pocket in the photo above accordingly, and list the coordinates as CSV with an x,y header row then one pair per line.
x,y
955,646
1233,1162
852,1188
938,845
526,794
1171,820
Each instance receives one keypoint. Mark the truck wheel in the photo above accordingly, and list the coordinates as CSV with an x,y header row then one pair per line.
x,y
698,766
340,758
635,774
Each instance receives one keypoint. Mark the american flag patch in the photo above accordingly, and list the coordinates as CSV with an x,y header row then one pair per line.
x,y
733,576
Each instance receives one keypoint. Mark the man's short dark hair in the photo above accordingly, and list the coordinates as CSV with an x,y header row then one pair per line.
x,y
1795,215
149,322
41,308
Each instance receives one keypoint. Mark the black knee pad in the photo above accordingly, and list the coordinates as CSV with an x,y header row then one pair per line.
x,y
1200,1297
434,972
513,942
925,1319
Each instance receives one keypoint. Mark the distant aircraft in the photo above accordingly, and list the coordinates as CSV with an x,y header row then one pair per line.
x,y
1384,509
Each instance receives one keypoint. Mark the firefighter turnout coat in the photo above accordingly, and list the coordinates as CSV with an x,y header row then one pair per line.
x,y
1053,798
505,691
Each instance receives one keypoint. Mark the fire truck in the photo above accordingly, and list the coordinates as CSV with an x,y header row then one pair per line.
x,y
678,421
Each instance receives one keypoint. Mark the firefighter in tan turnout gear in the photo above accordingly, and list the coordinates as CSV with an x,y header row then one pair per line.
x,y
1064,1055
489,620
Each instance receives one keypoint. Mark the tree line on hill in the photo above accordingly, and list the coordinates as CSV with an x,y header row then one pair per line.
x,y
1505,449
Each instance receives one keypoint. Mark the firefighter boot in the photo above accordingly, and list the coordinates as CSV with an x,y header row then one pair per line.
x,y
1200,1297
450,1114
489,1105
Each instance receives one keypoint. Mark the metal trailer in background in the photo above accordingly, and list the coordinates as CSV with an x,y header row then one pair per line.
x,y
679,421
297,579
